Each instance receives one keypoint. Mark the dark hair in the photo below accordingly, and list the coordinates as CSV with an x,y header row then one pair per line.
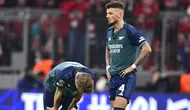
x,y
115,4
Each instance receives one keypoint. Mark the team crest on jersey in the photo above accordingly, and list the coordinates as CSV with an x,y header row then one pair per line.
x,y
61,81
121,37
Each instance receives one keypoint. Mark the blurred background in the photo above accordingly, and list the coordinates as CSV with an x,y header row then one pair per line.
x,y
36,35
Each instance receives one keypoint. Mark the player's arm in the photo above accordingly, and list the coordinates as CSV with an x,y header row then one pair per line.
x,y
75,100
60,84
137,39
144,52
57,98
107,62
107,52
107,56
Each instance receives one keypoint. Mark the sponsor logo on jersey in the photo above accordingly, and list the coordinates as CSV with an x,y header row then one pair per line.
x,y
115,48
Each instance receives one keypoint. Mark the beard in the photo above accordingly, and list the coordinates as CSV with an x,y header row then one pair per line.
x,y
113,23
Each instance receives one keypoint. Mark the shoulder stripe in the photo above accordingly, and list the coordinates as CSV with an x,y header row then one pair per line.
x,y
131,28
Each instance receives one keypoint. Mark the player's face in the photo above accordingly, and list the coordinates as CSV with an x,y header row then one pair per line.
x,y
112,15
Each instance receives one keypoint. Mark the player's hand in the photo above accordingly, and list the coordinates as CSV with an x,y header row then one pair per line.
x,y
52,108
126,71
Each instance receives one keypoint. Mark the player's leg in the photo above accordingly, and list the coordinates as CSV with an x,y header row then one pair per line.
x,y
120,103
48,98
112,94
112,90
124,91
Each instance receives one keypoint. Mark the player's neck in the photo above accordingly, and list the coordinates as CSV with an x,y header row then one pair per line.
x,y
118,25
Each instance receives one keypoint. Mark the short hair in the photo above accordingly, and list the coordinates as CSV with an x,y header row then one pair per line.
x,y
115,4
85,83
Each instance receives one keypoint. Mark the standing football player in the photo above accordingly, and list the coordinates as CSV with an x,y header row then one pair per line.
x,y
123,40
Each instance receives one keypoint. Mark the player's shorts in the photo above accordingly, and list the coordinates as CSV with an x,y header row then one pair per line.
x,y
122,87
48,100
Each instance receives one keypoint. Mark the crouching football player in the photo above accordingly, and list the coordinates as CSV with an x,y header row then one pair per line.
x,y
65,84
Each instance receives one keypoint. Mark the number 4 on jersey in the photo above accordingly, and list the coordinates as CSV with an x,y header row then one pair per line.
x,y
121,88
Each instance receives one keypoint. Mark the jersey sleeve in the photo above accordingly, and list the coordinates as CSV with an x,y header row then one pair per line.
x,y
86,70
63,76
135,37
107,37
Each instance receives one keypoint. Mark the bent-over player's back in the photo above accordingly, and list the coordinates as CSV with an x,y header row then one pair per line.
x,y
64,65
63,75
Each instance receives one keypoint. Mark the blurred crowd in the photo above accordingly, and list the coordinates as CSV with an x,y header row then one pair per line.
x,y
79,17
71,27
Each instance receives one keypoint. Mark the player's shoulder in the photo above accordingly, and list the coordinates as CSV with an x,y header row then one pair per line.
x,y
130,28
65,72
87,70
68,64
